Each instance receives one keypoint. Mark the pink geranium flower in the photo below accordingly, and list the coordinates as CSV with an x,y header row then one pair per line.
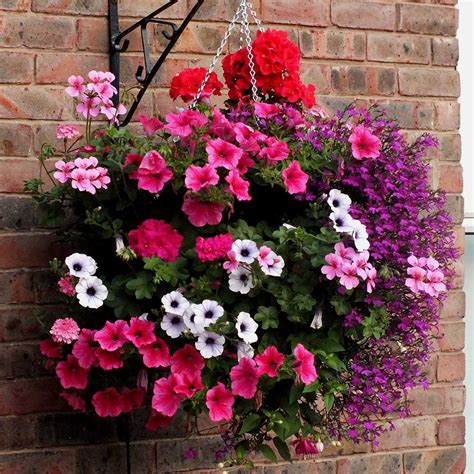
x,y
269,361
244,377
182,124
66,286
156,354
86,163
140,332
238,186
198,177
71,374
304,365
344,252
89,106
63,175
349,276
65,330
65,131
51,349
416,282
434,283
187,361
371,274
213,248
334,265
105,90
202,213
112,336
165,400
364,143
108,402
223,154
80,180
76,86
150,124
276,150
109,360
419,262
153,173
84,350
75,401
219,401
295,178
360,260
188,384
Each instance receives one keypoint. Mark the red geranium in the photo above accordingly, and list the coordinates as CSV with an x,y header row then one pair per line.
x,y
237,73
186,84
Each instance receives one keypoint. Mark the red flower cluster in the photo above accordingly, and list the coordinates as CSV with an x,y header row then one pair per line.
x,y
187,83
277,68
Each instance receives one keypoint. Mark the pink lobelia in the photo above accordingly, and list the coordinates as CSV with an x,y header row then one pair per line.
x,y
269,361
112,336
156,354
223,154
244,378
165,400
71,374
304,365
295,178
198,177
364,143
219,401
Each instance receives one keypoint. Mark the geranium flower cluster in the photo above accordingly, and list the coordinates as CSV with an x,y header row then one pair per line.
x,y
275,268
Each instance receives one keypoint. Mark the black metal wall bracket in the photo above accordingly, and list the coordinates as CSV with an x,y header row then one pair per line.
x,y
119,44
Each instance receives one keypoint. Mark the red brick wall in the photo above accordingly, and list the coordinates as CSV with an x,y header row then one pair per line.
x,y
401,54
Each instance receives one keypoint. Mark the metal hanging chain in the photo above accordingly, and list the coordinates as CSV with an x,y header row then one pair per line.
x,y
253,79
256,19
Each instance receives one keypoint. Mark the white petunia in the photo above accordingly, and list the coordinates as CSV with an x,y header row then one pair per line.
x,y
342,221
207,313
175,303
338,200
246,251
189,318
275,268
81,265
143,317
210,344
173,325
288,226
244,350
119,245
91,292
360,235
246,328
240,280
317,322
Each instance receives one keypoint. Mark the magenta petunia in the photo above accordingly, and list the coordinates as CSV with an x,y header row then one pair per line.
x,y
85,348
156,354
109,360
112,336
187,360
223,154
71,374
201,213
244,377
140,332
108,402
165,400
150,124
294,178
238,186
152,173
219,401
200,177
269,361
304,365
364,143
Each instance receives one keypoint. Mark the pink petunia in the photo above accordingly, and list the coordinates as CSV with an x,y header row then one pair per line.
x,y
364,143
165,400
334,265
182,124
269,361
76,86
133,159
223,154
304,365
153,173
109,360
71,374
416,282
75,401
108,402
188,384
156,354
198,177
132,398
157,421
150,124
266,110
221,127
238,186
63,175
245,163
349,276
65,330
140,332
202,213
244,377
85,349
112,336
275,150
187,360
219,401
51,349
295,178
248,139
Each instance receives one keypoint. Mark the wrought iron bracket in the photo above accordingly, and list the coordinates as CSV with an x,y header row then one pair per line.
x,y
119,43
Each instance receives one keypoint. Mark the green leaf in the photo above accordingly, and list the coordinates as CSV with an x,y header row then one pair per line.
x,y
312,387
282,448
268,317
328,400
296,392
250,423
268,452
341,306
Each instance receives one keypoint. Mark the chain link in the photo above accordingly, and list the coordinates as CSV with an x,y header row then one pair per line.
x,y
248,38
255,17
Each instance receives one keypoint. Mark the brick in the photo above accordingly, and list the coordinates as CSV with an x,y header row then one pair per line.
x,y
15,139
454,307
336,103
217,10
48,32
16,68
450,179
315,13
15,171
437,400
452,336
17,212
363,80
144,7
447,115
11,31
445,51
15,5
455,206
330,44
362,15
75,7
429,82
409,114
20,361
34,102
398,48
111,459
435,461
451,367
449,148
299,467
30,462
317,74
451,430
391,463
143,455
17,432
428,19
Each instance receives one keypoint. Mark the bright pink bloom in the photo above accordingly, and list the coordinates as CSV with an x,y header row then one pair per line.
x,y
165,400
364,143
187,361
132,398
371,273
133,159
98,177
112,336
431,263
89,106
213,248
295,178
109,360
275,150
419,262
182,124
248,139
65,131
86,163
221,127
266,110
76,86
223,154
65,330
198,177
349,276
51,349
244,377
304,365
360,260
202,213
305,447
84,350
157,420
96,77
188,384
334,265
109,110
108,402
150,124
416,282
434,283
156,354
81,182
66,287
269,361
219,401
71,374
63,175
344,252
245,163
155,238
140,332
232,263
75,401
105,91
238,186
153,173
